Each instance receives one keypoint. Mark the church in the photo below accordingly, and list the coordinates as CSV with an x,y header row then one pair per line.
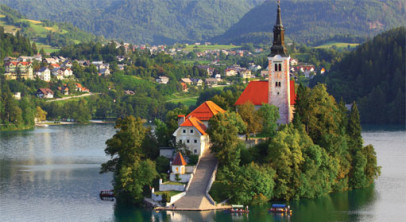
x,y
278,90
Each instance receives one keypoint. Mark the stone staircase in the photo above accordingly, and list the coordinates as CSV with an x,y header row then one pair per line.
x,y
195,198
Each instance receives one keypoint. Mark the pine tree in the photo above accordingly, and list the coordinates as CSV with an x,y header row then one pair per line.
x,y
354,129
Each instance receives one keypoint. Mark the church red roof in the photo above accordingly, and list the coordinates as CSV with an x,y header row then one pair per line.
x,y
256,92
292,92
179,161
206,111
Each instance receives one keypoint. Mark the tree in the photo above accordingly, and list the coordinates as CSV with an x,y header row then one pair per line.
x,y
132,171
223,131
250,117
354,129
41,115
270,115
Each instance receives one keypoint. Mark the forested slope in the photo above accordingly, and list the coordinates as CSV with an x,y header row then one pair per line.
x,y
310,21
142,21
374,76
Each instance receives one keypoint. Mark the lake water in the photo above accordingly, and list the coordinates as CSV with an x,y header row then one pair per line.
x,y
51,174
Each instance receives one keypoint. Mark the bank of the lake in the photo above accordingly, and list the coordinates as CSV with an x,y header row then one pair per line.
x,y
51,174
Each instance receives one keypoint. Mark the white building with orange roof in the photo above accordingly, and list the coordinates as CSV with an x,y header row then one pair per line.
x,y
192,128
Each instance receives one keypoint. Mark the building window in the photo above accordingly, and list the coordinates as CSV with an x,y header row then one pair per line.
x,y
280,67
276,67
195,141
184,131
279,84
276,84
195,151
187,141
191,131
180,141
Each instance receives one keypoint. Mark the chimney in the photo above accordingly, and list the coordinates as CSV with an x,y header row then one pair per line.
x,y
181,119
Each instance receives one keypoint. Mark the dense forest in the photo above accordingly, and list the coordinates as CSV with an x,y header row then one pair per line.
x,y
142,21
313,21
374,76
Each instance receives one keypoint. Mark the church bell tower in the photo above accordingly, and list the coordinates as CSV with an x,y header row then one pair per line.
x,y
278,68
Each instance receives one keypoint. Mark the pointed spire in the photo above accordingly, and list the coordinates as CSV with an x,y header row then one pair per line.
x,y
278,47
278,15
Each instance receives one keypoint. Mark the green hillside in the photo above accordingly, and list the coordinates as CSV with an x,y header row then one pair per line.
x,y
48,35
318,21
374,76
142,21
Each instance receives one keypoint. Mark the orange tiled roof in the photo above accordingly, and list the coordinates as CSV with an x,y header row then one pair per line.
x,y
206,111
196,123
256,92
179,160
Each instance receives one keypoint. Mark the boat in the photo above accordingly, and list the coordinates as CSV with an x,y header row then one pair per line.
x,y
280,208
240,209
106,195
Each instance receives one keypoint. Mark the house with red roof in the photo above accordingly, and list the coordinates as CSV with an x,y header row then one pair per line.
x,y
192,128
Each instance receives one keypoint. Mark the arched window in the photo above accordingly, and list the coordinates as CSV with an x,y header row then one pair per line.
x,y
276,67
276,84
279,84
280,67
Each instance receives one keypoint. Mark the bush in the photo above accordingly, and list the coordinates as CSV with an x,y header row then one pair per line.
x,y
193,159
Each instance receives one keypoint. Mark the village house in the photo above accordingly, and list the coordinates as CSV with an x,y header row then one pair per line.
x,y
51,61
81,88
245,73
162,80
14,69
192,128
211,82
104,72
64,90
294,62
209,70
45,93
197,82
17,95
44,74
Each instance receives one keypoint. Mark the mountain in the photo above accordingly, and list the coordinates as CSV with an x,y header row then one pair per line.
x,y
311,21
142,21
374,76
46,33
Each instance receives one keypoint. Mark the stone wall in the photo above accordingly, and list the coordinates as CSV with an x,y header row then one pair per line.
x,y
167,187
184,178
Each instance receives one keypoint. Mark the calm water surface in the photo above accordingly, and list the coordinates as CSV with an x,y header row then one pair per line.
x,y
51,174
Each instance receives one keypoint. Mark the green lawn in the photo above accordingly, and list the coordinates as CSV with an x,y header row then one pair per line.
x,y
173,183
337,45
183,98
209,47
170,193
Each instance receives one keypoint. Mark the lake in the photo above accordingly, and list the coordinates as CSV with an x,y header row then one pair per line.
x,y
52,174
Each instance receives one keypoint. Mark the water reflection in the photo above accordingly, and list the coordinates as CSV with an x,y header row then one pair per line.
x,y
51,174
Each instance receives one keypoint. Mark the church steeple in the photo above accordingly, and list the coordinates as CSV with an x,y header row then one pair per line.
x,y
278,47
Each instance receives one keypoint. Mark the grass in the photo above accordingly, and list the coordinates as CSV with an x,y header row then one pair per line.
x,y
209,47
338,45
183,98
47,48
173,183
170,193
